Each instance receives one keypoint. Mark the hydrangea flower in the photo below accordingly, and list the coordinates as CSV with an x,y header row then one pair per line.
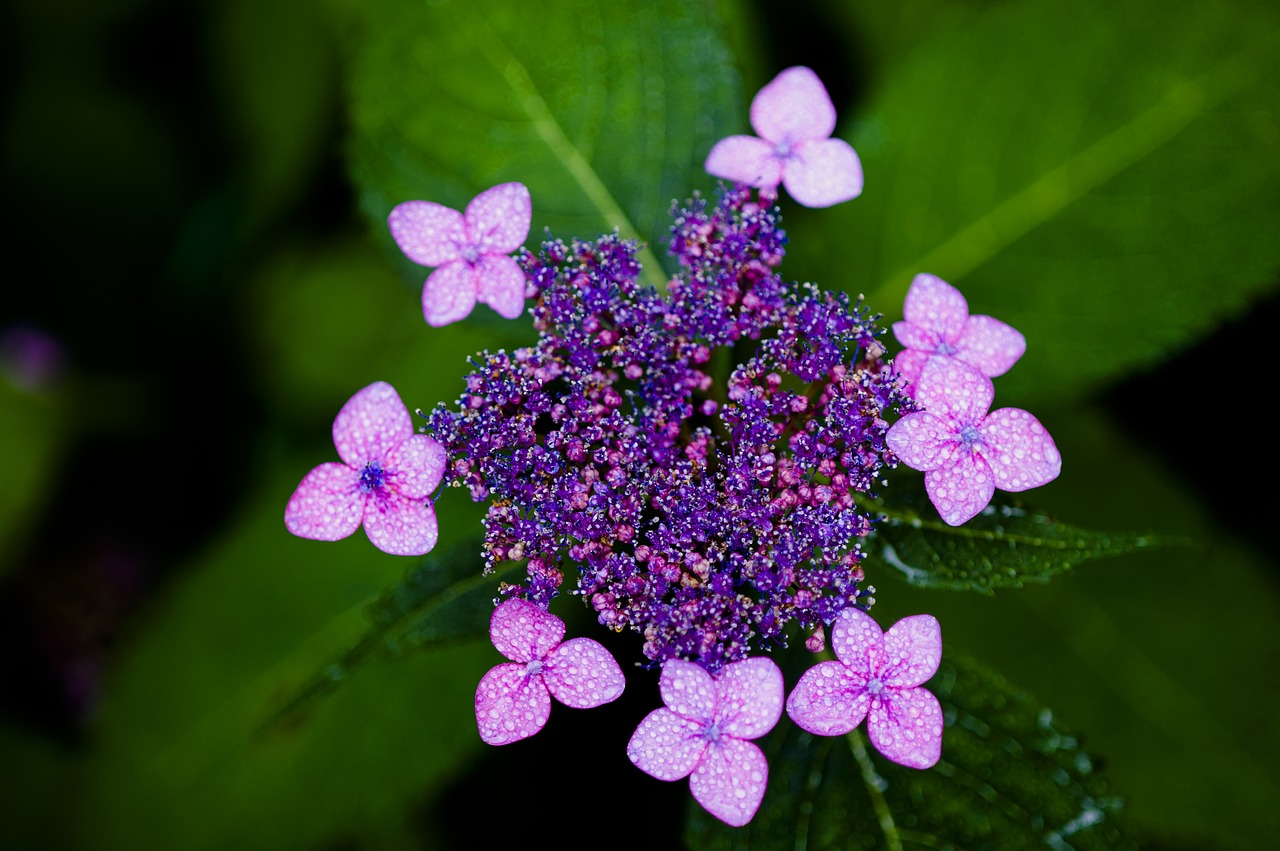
x,y
469,251
513,700
937,323
704,733
384,482
703,509
965,452
794,118
878,678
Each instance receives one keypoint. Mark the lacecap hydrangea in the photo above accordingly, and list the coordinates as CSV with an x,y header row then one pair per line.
x,y
699,465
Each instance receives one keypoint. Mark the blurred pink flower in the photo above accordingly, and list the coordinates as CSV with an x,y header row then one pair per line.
x,y
469,251
877,678
937,323
384,482
965,452
513,700
703,733
794,118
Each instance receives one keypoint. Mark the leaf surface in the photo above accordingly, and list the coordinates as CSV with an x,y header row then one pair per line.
x,y
1112,194
1011,777
1006,546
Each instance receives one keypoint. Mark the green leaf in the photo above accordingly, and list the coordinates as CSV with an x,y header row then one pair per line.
x,y
445,597
1111,194
178,756
1011,777
1167,657
34,431
1006,546
605,111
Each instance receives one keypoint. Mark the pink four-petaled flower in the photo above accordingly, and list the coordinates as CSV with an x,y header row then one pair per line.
x,y
794,118
877,678
384,482
936,323
703,733
965,452
469,251
513,700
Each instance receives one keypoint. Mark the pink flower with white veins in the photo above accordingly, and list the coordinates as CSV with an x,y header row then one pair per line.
x,y
469,251
877,678
513,700
936,323
703,733
385,480
964,452
794,118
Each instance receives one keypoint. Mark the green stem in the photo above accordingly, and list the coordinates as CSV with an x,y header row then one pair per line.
x,y
874,784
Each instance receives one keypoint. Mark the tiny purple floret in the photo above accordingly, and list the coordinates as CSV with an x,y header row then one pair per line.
x,y
704,733
878,678
469,251
794,118
964,452
936,324
513,700
384,482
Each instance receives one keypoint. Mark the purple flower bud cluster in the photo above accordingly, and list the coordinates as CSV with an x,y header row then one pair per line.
x,y
704,458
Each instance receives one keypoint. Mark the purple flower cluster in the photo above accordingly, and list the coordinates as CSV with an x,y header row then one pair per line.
x,y
706,459
704,504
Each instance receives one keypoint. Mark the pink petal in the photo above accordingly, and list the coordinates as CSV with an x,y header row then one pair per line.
x,y
510,705
524,632
327,505
793,107
428,233
372,423
1020,451
582,674
745,159
688,690
501,284
858,642
401,525
823,172
730,780
920,439
961,489
954,390
910,364
916,337
665,745
749,698
449,294
913,649
906,727
418,465
935,305
498,218
828,700
989,345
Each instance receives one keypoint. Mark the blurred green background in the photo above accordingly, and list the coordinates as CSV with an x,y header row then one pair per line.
x,y
200,277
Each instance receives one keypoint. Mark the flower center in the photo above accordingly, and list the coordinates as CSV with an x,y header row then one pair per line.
x,y
782,150
471,254
534,667
969,436
874,686
945,348
712,732
372,477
